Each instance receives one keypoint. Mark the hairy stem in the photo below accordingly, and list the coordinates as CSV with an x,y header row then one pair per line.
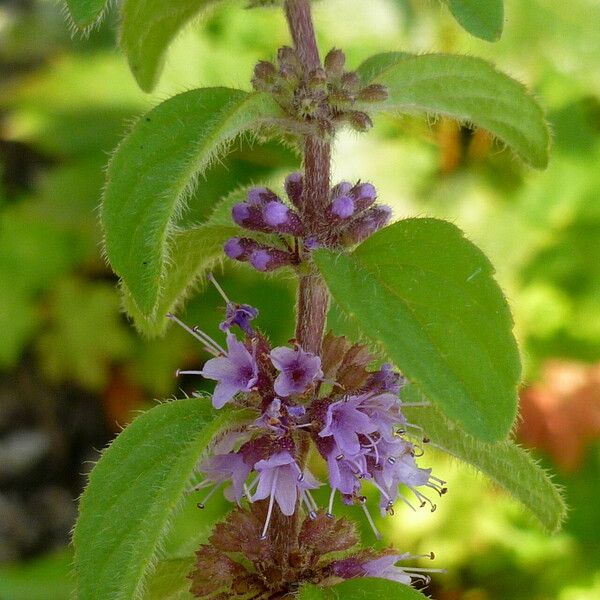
x,y
313,297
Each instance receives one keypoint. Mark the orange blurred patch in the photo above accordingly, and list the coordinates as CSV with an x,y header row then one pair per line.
x,y
121,397
561,414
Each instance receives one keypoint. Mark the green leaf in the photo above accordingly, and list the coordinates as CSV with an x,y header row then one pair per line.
x,y
154,169
427,296
464,88
507,464
86,12
364,588
134,492
481,18
169,581
147,29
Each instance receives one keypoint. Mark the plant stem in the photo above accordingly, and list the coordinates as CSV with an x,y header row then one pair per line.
x,y
313,297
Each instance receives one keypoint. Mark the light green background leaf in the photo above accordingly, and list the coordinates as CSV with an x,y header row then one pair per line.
x,y
363,588
134,492
427,296
155,168
482,18
147,29
505,463
467,89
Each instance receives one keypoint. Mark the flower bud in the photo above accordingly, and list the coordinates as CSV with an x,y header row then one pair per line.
x,y
268,259
341,189
359,120
259,196
281,219
364,195
342,207
373,93
351,82
335,61
366,224
239,248
294,184
264,76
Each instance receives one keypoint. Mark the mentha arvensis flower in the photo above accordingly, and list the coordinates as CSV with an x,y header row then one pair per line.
x,y
297,370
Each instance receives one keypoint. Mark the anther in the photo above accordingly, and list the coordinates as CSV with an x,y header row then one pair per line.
x,y
339,457
200,505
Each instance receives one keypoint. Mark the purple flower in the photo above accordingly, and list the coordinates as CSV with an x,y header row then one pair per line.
x,y
235,372
386,380
346,472
271,418
344,421
240,315
384,413
298,369
282,481
385,568
223,467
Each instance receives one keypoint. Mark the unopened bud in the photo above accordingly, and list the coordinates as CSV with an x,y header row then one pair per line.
x,y
351,81
359,120
240,248
269,259
364,195
366,224
335,61
264,75
341,189
342,207
294,184
373,93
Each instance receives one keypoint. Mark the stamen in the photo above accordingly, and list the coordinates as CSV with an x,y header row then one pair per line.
x,y
414,404
209,344
202,504
212,279
363,504
314,505
270,509
424,499
339,457
374,446
383,492
329,512
209,340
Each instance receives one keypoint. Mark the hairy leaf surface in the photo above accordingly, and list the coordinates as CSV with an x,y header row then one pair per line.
x,y
154,168
467,89
147,29
133,493
506,463
86,12
482,18
427,296
363,588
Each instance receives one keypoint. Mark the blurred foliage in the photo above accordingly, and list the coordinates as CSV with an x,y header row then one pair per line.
x,y
64,103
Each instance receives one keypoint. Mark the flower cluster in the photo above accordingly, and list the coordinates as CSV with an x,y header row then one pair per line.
x,y
352,415
323,97
352,216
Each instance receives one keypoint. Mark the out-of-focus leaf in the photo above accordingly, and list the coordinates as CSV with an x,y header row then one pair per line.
x,y
505,463
426,294
44,578
134,492
86,12
365,588
84,334
482,18
147,29
154,169
464,88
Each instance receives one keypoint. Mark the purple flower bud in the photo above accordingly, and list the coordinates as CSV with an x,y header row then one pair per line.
x,y
233,248
294,185
341,189
342,207
366,224
335,61
240,315
364,195
275,213
259,196
311,243
268,259
240,213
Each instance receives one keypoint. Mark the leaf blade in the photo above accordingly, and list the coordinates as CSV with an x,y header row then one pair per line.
x,y
426,295
481,18
86,12
467,89
147,29
152,170
121,526
505,463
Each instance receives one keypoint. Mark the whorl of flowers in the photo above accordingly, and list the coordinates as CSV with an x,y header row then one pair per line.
x,y
350,414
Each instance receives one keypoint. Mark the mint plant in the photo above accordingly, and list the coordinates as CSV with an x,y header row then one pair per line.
x,y
421,295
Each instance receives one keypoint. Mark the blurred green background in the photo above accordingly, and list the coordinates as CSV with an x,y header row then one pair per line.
x,y
72,368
